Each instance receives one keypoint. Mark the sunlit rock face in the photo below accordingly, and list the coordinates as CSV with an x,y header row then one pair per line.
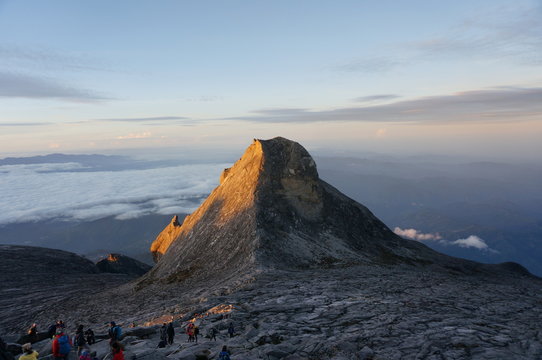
x,y
165,238
272,211
121,264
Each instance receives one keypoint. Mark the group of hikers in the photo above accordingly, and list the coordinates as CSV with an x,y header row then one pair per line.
x,y
62,343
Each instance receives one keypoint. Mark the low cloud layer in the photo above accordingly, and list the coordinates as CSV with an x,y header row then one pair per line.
x,y
472,241
60,191
506,104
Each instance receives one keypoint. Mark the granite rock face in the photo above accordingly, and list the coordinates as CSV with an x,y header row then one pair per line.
x,y
165,238
121,264
271,211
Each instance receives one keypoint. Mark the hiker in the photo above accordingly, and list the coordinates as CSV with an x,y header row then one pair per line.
x,y
33,333
28,352
212,334
61,345
89,335
163,333
116,351
231,330
51,331
190,332
196,332
115,332
80,340
224,354
85,355
170,333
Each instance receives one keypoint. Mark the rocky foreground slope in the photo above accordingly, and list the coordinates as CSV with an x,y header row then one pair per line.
x,y
359,312
36,283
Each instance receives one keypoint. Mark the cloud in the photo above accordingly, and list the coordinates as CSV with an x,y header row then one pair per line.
x,y
45,58
414,234
14,85
472,241
14,124
51,191
375,98
511,33
503,104
144,119
130,136
516,37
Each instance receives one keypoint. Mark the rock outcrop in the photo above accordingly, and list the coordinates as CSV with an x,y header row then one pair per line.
x,y
121,264
271,211
165,238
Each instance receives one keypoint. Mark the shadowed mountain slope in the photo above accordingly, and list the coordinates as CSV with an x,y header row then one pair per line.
x,y
120,264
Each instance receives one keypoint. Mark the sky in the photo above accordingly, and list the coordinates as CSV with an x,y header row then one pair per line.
x,y
446,77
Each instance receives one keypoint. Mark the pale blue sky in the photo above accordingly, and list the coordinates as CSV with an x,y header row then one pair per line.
x,y
429,76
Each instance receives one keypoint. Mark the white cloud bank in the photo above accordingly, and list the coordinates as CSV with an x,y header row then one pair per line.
x,y
472,241
53,191
414,234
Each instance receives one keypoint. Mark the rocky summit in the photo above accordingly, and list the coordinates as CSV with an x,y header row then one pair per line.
x,y
300,271
272,211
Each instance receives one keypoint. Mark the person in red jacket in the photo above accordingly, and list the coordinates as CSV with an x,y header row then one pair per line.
x,y
116,350
62,345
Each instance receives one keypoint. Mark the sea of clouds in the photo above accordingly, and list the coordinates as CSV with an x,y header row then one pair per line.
x,y
61,191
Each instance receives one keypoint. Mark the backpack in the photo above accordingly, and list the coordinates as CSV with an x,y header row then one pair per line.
x,y
118,331
224,356
64,342
115,332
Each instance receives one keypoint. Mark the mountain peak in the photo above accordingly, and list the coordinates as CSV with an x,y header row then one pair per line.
x,y
271,211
